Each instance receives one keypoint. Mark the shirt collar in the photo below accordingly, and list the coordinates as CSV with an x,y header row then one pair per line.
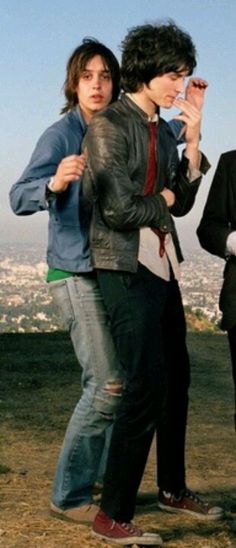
x,y
81,118
153,118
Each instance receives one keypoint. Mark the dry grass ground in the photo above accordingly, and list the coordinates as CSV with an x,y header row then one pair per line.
x,y
40,383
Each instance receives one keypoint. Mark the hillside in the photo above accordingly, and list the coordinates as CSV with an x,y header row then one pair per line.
x,y
39,386
26,305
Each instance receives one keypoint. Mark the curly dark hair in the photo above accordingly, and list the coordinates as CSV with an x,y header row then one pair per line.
x,y
152,50
77,63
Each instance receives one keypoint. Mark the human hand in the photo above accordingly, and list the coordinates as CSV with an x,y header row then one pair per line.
x,y
190,115
169,196
70,169
195,92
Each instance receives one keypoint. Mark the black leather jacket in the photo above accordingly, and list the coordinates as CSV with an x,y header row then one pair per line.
x,y
217,222
117,143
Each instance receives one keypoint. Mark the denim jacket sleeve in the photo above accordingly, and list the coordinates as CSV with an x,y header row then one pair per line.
x,y
27,195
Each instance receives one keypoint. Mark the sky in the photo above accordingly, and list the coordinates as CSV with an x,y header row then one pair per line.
x,y
36,39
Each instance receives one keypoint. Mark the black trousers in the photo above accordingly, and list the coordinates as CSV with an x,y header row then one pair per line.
x,y
148,327
232,345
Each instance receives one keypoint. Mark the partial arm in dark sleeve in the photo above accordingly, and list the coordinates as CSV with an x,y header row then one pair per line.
x,y
214,226
184,188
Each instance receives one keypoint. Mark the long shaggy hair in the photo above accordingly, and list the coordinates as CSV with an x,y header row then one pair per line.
x,y
77,63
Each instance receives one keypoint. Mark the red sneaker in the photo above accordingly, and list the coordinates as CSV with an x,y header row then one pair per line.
x,y
189,503
122,533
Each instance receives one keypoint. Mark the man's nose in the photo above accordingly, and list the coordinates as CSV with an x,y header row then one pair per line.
x,y
180,86
97,82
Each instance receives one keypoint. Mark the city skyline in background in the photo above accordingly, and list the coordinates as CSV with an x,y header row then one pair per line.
x,y
36,41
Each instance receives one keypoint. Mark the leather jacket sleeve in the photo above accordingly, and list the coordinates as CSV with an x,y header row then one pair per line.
x,y
184,189
113,180
122,205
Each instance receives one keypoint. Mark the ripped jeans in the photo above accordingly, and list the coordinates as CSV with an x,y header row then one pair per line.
x,y
82,454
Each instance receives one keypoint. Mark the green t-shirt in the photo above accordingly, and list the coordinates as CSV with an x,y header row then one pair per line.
x,y
54,274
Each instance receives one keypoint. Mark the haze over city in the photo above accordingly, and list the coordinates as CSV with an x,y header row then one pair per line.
x,y
36,40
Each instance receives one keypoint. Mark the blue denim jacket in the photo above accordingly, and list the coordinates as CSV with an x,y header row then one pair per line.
x,y
68,242
68,247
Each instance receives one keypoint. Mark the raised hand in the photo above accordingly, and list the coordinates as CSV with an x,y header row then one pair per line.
x,y
70,169
194,96
195,92
191,116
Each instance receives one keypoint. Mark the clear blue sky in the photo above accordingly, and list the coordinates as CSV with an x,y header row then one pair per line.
x,y
36,39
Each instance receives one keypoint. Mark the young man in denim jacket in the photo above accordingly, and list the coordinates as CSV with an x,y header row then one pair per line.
x,y
51,182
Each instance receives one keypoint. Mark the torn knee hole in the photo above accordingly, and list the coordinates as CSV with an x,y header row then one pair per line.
x,y
114,388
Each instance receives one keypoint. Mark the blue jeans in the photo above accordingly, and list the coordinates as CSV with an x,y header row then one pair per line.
x,y
82,454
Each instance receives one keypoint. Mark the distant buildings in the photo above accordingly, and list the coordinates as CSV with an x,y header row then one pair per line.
x,y
25,304
201,282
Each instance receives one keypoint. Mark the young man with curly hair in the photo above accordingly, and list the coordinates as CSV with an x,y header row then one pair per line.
x,y
137,182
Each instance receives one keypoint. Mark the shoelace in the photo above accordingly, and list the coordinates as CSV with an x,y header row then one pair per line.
x,y
130,528
195,498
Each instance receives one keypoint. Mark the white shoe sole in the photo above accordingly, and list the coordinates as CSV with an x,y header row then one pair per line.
x,y
205,517
146,540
